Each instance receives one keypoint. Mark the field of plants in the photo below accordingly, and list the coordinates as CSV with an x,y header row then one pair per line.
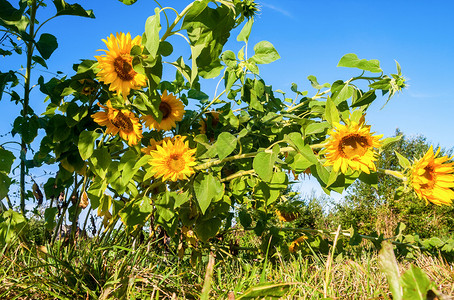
x,y
156,188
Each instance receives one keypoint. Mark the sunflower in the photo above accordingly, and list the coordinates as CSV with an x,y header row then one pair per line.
x,y
214,116
153,144
122,122
351,145
433,179
295,245
172,111
116,64
173,160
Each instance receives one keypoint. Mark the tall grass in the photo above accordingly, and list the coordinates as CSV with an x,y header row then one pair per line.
x,y
88,270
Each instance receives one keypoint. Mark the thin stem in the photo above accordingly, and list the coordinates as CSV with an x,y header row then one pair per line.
x,y
237,174
177,20
33,8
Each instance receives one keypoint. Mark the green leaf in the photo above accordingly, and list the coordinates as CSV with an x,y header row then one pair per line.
x,y
228,57
208,30
127,166
388,265
403,161
331,112
365,99
264,53
136,212
264,163
86,143
151,34
39,60
6,160
46,45
128,2
207,229
225,144
100,160
207,188
415,284
5,182
243,36
267,290
9,13
315,84
390,140
165,48
64,8
351,60
317,127
49,217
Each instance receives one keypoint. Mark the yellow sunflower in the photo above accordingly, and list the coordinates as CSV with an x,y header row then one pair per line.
x,y
433,179
173,160
153,144
122,122
116,64
351,146
295,245
172,111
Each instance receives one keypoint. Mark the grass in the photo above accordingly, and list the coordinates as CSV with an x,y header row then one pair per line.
x,y
92,271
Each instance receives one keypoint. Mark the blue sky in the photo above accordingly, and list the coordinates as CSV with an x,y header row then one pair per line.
x,y
311,37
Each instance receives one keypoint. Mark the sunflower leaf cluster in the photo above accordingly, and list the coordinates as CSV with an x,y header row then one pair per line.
x,y
157,149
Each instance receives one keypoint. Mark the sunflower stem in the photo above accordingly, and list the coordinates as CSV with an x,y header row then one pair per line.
x,y
177,20
393,173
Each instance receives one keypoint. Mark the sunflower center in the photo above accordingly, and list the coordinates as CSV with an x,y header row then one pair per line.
x,y
176,163
353,145
123,122
429,175
124,69
165,108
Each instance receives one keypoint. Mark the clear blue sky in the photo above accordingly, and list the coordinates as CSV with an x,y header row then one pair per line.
x,y
311,37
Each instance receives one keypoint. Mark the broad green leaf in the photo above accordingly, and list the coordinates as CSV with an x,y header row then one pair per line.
x,y
264,53
127,165
388,265
136,212
331,112
228,57
100,160
5,182
315,84
245,218
86,143
365,99
165,48
225,144
243,36
39,60
370,179
208,30
207,188
49,217
278,183
9,13
11,225
403,161
351,60
415,284
128,2
46,45
317,127
151,34
390,140
267,290
207,229
6,160
64,8
264,163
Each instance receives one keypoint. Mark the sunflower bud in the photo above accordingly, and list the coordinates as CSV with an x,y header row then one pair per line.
x,y
37,193
83,203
